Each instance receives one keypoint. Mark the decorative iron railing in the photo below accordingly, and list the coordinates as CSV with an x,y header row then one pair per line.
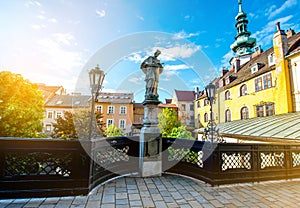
x,y
225,163
52,167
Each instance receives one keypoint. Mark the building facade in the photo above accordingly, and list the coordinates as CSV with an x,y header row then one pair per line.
x,y
259,83
184,101
116,109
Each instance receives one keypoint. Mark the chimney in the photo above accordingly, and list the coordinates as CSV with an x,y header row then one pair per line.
x,y
257,51
224,71
290,32
280,42
237,65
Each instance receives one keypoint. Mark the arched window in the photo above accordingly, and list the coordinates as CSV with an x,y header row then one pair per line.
x,y
243,90
227,95
244,113
227,115
205,117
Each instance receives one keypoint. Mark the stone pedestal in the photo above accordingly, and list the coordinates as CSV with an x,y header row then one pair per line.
x,y
150,163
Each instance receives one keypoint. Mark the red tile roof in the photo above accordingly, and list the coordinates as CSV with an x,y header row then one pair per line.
x,y
185,95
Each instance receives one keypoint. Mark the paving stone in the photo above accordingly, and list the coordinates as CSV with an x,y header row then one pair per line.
x,y
108,198
137,203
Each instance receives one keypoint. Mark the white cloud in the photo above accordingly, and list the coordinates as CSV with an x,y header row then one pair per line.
x,y
226,58
64,38
32,3
135,57
53,20
136,80
183,35
100,12
176,67
38,26
265,36
57,59
187,17
167,54
178,51
272,12
140,17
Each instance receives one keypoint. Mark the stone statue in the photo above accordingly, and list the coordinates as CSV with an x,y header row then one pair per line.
x,y
152,69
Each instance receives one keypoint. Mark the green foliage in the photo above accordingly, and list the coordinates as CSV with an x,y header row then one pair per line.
x,y
64,127
181,132
21,107
167,121
77,125
112,131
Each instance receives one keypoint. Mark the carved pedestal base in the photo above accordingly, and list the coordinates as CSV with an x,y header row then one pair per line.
x,y
150,163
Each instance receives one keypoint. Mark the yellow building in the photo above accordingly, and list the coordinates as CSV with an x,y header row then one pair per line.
x,y
258,83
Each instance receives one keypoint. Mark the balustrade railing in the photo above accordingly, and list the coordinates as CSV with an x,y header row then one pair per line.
x,y
225,163
53,167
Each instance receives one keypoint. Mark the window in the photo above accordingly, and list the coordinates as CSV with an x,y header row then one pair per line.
x,y
110,109
183,107
191,107
50,114
271,59
227,95
205,117
258,84
109,122
254,68
227,115
58,114
122,123
267,81
206,102
48,127
259,110
270,110
99,108
123,110
198,104
244,113
243,90
198,118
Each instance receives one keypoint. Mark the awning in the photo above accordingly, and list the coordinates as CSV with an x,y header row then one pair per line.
x,y
270,128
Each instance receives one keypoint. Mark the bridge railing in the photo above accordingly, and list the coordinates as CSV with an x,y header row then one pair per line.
x,y
226,163
53,167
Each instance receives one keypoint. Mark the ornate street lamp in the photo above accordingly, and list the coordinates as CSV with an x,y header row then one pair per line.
x,y
96,80
211,133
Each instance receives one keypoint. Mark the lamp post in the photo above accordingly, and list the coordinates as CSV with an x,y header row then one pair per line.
x,y
211,93
210,132
96,79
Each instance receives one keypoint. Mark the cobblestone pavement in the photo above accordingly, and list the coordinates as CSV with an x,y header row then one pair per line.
x,y
173,191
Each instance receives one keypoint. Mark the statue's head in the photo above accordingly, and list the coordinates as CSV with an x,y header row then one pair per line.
x,y
157,52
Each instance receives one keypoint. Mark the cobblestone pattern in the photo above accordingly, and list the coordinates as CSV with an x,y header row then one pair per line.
x,y
173,191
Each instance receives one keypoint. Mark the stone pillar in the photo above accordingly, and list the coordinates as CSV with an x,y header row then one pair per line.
x,y
150,160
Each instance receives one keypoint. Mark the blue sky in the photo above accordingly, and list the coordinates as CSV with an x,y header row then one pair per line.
x,y
56,42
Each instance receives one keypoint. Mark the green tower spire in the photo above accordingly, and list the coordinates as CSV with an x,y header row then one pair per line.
x,y
243,42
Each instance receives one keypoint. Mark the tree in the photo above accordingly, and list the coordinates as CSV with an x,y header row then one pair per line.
x,y
21,106
181,132
167,121
64,127
112,131
77,124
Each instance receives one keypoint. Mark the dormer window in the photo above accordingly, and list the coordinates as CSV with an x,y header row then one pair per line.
x,y
254,68
271,59
227,80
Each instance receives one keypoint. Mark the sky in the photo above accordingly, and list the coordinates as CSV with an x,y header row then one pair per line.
x,y
57,42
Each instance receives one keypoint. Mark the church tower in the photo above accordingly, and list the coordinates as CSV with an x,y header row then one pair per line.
x,y
243,44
